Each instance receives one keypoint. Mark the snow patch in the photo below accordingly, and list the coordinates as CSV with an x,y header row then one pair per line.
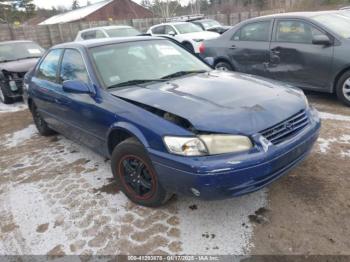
x,y
30,210
324,144
337,117
20,136
12,107
220,227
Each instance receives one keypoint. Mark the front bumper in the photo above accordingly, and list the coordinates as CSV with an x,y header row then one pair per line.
x,y
226,176
13,93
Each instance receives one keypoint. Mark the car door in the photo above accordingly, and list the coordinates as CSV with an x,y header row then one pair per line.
x,y
248,48
295,59
85,125
45,86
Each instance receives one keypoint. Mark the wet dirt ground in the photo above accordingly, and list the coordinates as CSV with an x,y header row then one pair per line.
x,y
57,197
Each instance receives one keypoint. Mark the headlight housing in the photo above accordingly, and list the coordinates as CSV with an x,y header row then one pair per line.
x,y
207,145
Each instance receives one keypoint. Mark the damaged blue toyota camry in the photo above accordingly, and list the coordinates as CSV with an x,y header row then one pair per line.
x,y
170,123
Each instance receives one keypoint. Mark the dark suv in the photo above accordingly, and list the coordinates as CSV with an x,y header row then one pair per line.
x,y
16,59
310,50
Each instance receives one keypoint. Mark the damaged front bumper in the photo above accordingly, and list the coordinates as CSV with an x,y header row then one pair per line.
x,y
13,88
226,176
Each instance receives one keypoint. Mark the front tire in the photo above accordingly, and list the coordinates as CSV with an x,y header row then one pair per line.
x,y
4,98
343,88
136,176
223,66
40,123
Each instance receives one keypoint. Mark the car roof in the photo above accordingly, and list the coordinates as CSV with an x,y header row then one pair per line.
x,y
15,42
172,23
301,14
106,27
106,41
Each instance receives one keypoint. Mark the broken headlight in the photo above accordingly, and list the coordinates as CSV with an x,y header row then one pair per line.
x,y
13,85
207,145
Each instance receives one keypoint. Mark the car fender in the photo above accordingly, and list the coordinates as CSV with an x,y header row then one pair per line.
x,y
130,128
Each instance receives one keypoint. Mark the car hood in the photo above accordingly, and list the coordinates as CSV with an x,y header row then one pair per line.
x,y
19,66
205,35
221,102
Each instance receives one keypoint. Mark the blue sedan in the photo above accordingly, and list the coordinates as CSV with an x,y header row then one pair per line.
x,y
168,122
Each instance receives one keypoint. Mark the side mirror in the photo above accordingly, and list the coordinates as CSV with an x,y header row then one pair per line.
x,y
210,61
172,33
321,40
76,86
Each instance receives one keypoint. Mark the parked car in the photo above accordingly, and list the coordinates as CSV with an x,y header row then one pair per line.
x,y
188,34
107,32
310,50
211,25
16,59
169,123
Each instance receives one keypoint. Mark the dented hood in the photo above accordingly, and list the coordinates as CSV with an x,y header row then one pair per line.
x,y
19,66
221,102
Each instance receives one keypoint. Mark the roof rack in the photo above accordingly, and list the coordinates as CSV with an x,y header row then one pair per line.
x,y
185,18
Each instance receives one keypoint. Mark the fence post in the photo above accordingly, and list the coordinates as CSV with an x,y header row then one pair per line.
x,y
12,36
50,35
60,32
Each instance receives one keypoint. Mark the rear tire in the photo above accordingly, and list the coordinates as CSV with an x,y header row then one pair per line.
x,y
343,88
40,123
4,98
135,175
223,66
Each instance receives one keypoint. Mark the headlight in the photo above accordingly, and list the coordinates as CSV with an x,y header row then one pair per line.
x,y
186,146
13,85
222,144
198,40
207,145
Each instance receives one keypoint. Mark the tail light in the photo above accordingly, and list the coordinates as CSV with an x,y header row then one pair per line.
x,y
201,48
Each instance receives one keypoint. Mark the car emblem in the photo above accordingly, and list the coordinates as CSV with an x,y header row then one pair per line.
x,y
289,126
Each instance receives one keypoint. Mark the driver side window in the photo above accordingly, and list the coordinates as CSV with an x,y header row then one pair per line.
x,y
73,67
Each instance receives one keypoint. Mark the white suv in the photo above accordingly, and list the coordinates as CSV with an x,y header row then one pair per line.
x,y
107,32
188,34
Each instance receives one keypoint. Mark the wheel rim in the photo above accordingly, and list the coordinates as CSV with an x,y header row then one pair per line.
x,y
2,97
222,68
346,89
137,178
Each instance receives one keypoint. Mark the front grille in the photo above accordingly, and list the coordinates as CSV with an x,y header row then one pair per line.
x,y
286,129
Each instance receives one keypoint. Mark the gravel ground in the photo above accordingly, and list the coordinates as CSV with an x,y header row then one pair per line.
x,y
57,197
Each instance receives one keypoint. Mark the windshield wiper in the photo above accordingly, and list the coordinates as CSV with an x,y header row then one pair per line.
x,y
27,57
183,73
136,82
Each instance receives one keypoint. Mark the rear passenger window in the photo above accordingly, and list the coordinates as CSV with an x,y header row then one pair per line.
x,y
48,67
93,34
259,31
294,31
159,30
73,67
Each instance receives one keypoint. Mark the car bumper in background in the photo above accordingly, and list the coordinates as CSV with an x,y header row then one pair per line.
x,y
225,176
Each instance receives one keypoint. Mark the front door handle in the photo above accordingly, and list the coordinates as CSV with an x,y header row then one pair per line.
x,y
233,47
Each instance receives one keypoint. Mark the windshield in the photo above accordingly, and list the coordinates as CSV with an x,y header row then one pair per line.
x,y
187,28
339,23
142,60
121,32
210,23
16,51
